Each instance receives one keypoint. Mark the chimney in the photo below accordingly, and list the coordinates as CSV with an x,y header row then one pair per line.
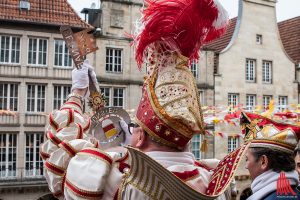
x,y
24,5
93,16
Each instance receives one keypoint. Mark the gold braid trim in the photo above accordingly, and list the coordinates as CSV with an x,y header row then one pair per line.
x,y
184,68
171,122
267,142
160,111
202,129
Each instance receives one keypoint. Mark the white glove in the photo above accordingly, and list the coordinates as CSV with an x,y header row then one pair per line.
x,y
92,73
80,77
127,134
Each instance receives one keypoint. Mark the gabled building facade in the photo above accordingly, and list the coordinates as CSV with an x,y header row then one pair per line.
x,y
255,61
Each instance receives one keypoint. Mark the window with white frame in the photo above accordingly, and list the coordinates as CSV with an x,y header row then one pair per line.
x,y
266,101
62,57
233,99
202,97
33,161
194,68
113,60
36,98
106,94
114,96
250,102
37,51
250,70
196,145
233,143
258,39
282,102
8,155
60,95
267,72
9,49
9,96
118,98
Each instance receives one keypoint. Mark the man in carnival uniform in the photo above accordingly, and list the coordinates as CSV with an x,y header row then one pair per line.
x,y
169,114
270,158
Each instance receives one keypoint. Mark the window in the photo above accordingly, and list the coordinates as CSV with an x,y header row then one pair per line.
x,y
33,161
258,39
62,58
8,155
118,97
196,145
233,99
8,96
232,143
60,95
266,101
250,70
202,97
250,102
113,96
113,60
194,69
106,94
267,72
37,51
10,49
282,102
36,98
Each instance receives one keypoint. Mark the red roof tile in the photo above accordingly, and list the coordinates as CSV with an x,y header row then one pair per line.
x,y
221,43
54,12
290,35
289,32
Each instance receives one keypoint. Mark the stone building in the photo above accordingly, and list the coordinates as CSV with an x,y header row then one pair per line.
x,y
255,61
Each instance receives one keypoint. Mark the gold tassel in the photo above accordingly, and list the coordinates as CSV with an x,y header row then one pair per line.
x,y
204,146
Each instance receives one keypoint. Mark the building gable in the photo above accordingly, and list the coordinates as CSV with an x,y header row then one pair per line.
x,y
289,31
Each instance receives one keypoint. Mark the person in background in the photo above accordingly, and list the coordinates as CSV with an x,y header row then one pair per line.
x,y
270,159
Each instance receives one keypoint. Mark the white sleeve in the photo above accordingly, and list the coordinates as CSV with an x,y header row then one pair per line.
x,y
70,155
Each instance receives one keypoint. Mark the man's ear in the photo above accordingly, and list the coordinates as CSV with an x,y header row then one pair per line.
x,y
264,161
141,139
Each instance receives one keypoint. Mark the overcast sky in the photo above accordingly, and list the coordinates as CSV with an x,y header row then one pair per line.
x,y
286,9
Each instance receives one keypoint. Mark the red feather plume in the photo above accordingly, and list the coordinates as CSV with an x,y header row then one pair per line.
x,y
181,25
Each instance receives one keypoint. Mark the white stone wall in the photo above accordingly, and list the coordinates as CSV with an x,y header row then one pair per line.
x,y
232,61
256,17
